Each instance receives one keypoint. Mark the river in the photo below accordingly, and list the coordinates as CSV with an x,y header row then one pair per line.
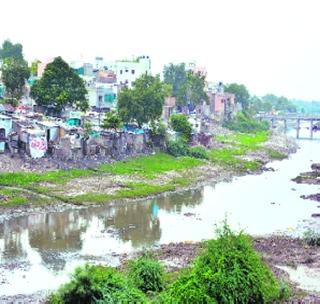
x,y
38,251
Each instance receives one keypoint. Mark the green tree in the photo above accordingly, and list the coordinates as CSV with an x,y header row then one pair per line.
x,y
187,87
14,75
59,87
112,120
175,75
144,102
192,90
180,124
10,50
241,93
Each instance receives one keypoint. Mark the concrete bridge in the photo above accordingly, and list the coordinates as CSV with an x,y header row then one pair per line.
x,y
290,117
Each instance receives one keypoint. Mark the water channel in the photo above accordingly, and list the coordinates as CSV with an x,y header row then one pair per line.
x,y
38,251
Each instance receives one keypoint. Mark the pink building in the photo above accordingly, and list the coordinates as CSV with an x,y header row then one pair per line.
x,y
221,103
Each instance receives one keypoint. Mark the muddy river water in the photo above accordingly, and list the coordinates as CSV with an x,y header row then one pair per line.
x,y
38,251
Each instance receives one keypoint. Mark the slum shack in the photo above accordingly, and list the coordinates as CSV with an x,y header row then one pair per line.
x,y
52,130
35,142
5,129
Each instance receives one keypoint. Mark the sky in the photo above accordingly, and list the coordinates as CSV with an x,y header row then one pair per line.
x,y
271,46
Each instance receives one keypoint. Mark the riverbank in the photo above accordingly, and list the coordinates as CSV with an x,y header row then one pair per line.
x,y
279,252
142,177
284,255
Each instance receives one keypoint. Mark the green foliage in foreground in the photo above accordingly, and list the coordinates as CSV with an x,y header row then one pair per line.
x,y
146,273
97,284
227,271
244,123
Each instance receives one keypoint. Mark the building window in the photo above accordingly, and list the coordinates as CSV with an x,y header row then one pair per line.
x,y
132,72
127,71
120,72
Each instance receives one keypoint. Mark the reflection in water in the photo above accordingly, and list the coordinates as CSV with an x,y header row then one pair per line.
x,y
51,245
53,233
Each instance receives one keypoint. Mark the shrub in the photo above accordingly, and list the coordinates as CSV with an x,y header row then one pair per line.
x,y
187,289
146,273
312,237
180,124
90,284
198,152
243,122
227,271
177,148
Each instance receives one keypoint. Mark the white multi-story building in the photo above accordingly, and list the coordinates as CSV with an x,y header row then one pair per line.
x,y
129,70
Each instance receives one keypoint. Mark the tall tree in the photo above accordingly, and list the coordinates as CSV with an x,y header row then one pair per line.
x,y
10,50
241,93
14,75
187,87
192,90
175,75
144,102
59,87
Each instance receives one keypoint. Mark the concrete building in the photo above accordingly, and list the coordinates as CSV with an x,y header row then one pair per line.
x,y
102,96
5,129
129,70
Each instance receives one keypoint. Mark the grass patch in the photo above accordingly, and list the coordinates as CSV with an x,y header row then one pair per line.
x,y
133,190
229,157
11,197
182,181
241,144
150,166
141,190
274,154
25,179
244,141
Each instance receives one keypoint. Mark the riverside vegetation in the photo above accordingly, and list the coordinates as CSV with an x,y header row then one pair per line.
x,y
227,270
139,177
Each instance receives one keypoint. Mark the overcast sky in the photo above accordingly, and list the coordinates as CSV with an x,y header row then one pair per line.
x,y
271,46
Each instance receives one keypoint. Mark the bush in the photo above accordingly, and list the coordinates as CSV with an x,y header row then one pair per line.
x,y
198,152
177,148
180,124
227,271
90,284
243,122
186,289
146,273
311,237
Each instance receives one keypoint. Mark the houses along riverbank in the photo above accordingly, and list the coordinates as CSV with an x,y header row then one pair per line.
x,y
141,177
